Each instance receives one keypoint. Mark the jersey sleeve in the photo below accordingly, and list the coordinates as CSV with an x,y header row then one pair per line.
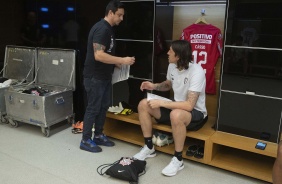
x,y
198,82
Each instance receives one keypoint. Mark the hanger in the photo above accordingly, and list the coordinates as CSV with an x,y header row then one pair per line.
x,y
202,20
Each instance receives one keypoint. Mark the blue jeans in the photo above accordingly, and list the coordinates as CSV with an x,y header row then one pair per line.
x,y
98,101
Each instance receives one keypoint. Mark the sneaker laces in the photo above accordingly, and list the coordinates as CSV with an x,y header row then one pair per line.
x,y
102,137
175,162
91,142
144,151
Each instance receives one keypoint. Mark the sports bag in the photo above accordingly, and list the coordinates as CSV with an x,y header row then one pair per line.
x,y
126,168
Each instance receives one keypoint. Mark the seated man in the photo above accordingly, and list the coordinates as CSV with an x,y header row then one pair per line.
x,y
188,83
277,167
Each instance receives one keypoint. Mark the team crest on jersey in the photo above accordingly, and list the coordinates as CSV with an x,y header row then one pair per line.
x,y
219,36
185,80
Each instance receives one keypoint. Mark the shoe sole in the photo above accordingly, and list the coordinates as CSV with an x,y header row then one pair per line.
x,y
101,144
86,149
149,156
173,174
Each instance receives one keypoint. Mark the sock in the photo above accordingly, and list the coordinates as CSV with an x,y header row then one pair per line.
x,y
178,155
149,142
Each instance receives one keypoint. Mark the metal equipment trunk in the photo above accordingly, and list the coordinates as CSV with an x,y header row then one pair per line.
x,y
19,67
50,99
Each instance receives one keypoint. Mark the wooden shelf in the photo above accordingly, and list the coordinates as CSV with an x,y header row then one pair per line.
x,y
243,162
132,118
124,131
243,143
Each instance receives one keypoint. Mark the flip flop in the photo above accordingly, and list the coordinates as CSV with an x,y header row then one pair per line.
x,y
76,130
192,150
199,153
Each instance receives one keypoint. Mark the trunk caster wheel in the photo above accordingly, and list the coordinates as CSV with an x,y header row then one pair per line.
x,y
4,120
45,131
13,123
70,120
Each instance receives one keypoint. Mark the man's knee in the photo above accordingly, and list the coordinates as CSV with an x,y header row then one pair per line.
x,y
176,117
142,104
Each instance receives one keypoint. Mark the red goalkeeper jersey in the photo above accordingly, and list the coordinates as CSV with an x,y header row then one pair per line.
x,y
206,43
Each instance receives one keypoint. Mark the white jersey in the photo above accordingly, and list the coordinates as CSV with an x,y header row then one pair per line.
x,y
193,79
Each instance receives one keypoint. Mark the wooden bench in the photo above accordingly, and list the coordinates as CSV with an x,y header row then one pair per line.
x,y
127,128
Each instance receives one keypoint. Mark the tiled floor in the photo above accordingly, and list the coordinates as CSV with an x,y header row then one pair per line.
x,y
27,157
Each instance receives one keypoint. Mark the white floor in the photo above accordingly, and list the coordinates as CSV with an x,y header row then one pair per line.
x,y
27,157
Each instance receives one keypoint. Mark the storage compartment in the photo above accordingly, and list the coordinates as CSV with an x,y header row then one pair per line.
x,y
50,99
250,115
243,162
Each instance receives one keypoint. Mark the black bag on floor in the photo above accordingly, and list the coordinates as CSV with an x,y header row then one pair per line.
x,y
126,168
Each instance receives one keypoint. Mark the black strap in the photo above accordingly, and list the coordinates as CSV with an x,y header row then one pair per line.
x,y
104,166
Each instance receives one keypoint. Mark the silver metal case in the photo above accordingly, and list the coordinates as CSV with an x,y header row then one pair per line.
x,y
54,71
19,66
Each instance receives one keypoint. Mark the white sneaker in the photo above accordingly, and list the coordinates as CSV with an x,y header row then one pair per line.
x,y
145,153
154,138
163,140
172,168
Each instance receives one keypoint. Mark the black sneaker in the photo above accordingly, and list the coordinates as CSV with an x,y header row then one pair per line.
x,y
90,145
103,140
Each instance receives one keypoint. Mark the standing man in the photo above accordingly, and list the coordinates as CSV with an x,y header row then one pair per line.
x,y
188,83
31,33
98,68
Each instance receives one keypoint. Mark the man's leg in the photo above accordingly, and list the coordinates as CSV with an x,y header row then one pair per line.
x,y
105,99
179,120
89,115
145,113
99,137
87,143
277,167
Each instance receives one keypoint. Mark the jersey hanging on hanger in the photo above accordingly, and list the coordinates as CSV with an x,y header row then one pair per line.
x,y
206,43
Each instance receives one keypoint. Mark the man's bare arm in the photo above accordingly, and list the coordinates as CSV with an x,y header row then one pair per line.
x,y
163,86
187,105
98,47
192,98
102,56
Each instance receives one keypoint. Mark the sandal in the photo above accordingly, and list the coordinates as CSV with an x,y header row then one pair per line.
x,y
76,130
191,151
199,153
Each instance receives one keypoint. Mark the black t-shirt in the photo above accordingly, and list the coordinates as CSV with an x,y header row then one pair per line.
x,y
102,33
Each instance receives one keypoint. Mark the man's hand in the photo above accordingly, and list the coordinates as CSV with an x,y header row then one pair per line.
x,y
147,85
155,103
128,60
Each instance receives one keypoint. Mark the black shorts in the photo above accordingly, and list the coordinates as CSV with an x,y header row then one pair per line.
x,y
196,123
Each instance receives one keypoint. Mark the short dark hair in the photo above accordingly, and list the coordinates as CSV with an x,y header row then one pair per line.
x,y
182,49
113,5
